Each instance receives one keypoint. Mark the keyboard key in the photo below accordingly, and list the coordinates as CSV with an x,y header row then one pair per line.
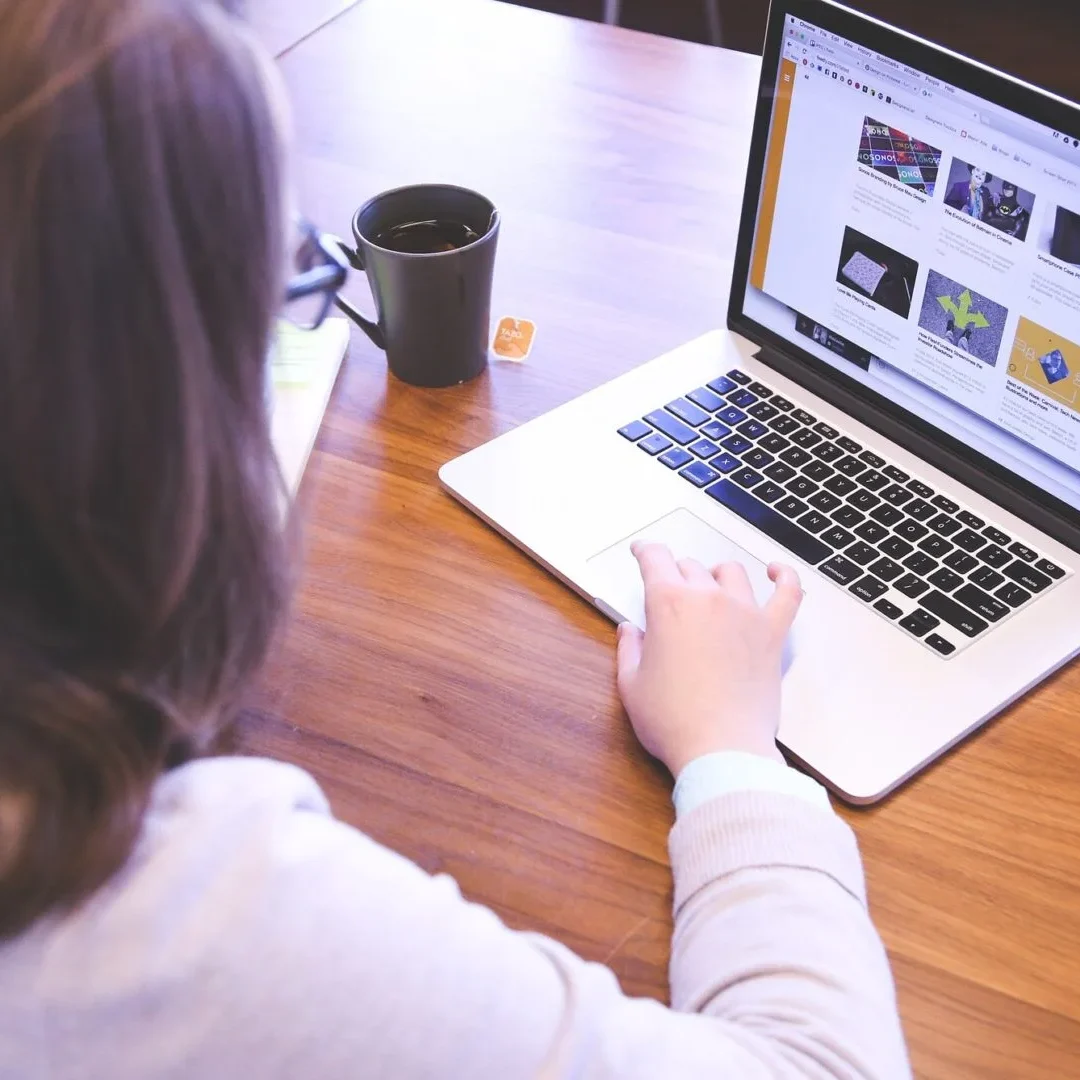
x,y
782,403
945,580
654,444
676,458
827,451
804,417
688,411
715,430
886,515
773,443
636,429
920,510
995,536
752,429
672,428
739,376
871,531
919,623
828,432
896,495
791,507
736,444
818,470
1026,576
849,446
861,553
763,411
872,459
986,578
703,448
863,500
742,398
806,547
850,466
981,603
825,501
920,563
944,525
814,522
769,492
936,546
802,486
757,459
779,472
894,547
794,456
961,562
1022,552
837,537
725,463
969,541
805,438
888,609
872,480
849,516
886,569
939,644
1050,569
705,399
994,556
911,586
956,615
868,588
911,530
970,520
893,473
700,474
841,570
747,478
1012,595
722,385
760,389
731,415
840,485
945,504
784,425
920,489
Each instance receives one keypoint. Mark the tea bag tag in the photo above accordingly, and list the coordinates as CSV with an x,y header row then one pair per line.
x,y
514,339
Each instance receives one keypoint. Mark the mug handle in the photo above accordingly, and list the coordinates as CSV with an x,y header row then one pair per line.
x,y
371,329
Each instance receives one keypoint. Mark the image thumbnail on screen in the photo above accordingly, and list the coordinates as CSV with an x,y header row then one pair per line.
x,y
877,271
1047,362
980,194
962,317
894,153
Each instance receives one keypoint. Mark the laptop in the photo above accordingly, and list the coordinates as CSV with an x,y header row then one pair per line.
x,y
893,408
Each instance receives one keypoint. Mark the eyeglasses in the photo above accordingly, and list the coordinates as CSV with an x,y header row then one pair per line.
x,y
322,268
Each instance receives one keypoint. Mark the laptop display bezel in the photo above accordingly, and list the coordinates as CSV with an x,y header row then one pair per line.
x,y
950,454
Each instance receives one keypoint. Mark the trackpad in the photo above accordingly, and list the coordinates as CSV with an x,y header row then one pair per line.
x,y
616,579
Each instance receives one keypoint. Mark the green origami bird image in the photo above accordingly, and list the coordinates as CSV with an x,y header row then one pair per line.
x,y
962,314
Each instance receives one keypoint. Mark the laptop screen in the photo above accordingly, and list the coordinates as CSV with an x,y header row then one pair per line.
x,y
925,241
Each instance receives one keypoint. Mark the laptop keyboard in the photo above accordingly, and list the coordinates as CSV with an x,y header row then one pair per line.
x,y
937,571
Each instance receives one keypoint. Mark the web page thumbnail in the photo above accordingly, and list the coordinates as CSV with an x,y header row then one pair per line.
x,y
962,317
896,154
833,341
1047,362
877,271
1061,235
999,203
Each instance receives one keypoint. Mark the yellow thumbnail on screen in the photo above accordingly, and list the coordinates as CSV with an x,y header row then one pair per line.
x,y
1047,362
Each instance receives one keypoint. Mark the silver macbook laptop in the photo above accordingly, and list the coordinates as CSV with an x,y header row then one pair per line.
x,y
894,407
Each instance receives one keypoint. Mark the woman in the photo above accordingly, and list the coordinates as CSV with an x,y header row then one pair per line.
x,y
168,914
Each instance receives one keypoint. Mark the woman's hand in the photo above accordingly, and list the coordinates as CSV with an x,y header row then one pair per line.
x,y
705,675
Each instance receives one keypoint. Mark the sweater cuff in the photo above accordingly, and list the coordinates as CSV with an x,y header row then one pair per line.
x,y
712,775
755,829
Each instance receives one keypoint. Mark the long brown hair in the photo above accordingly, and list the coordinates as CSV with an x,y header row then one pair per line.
x,y
141,550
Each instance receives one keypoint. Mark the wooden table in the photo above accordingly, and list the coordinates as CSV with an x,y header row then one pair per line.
x,y
456,702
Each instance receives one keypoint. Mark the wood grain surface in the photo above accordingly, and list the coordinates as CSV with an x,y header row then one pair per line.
x,y
456,702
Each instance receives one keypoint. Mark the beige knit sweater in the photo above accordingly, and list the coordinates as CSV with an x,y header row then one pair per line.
x,y
253,937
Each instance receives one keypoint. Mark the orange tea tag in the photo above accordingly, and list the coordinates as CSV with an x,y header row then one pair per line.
x,y
514,338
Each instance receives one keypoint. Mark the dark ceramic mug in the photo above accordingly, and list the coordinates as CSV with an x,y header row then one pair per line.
x,y
433,308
